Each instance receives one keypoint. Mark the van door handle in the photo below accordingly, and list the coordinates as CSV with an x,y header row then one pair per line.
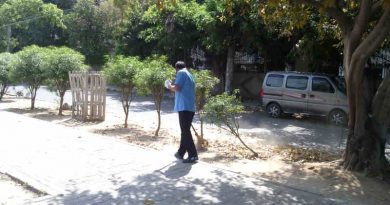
x,y
303,95
312,96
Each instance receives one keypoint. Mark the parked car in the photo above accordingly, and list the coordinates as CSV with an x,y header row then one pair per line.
x,y
306,93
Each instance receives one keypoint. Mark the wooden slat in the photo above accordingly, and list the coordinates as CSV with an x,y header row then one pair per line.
x,y
88,95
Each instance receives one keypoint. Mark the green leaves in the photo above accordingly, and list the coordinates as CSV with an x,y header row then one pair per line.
x,y
150,79
205,81
223,109
7,65
31,64
32,22
61,61
121,71
92,29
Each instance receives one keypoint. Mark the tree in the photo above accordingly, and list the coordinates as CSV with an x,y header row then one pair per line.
x,y
363,27
234,26
121,72
128,41
62,4
29,22
91,29
30,69
61,61
204,83
150,80
7,63
176,29
224,109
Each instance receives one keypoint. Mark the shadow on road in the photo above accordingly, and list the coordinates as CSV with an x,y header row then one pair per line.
x,y
224,188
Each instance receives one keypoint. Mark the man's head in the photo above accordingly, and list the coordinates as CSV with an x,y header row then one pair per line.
x,y
180,65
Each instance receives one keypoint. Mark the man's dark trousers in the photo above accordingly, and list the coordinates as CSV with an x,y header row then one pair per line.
x,y
186,142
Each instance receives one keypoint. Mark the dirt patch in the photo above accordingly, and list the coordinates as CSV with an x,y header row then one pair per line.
x,y
308,169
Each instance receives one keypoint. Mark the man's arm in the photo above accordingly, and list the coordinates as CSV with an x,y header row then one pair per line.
x,y
174,87
180,78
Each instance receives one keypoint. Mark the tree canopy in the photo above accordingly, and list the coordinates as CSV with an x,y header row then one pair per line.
x,y
30,22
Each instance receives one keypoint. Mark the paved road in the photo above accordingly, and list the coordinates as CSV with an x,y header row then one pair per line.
x,y
77,168
306,132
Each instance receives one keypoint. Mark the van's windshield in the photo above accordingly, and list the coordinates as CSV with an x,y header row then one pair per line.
x,y
340,83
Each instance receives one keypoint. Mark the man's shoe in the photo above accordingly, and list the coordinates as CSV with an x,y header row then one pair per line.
x,y
178,156
191,160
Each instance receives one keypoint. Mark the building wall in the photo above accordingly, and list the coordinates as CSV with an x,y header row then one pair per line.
x,y
249,84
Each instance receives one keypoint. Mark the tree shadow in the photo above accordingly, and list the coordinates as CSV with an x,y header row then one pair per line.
x,y
4,101
134,134
178,185
74,122
45,114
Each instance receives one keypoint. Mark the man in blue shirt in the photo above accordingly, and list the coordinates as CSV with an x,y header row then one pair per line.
x,y
184,88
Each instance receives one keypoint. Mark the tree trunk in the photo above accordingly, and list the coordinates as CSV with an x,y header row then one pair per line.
x,y
364,149
3,90
158,123
157,101
62,93
126,99
229,69
33,92
126,108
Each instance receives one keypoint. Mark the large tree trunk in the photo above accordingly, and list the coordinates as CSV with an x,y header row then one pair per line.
x,y
229,69
365,144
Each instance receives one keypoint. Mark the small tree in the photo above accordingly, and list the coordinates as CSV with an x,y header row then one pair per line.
x,y
6,67
225,109
60,62
150,80
204,83
30,69
121,72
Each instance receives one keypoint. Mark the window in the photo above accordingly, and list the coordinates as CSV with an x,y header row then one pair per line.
x,y
274,80
297,82
322,85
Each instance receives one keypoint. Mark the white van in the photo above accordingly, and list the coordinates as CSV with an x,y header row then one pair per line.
x,y
306,93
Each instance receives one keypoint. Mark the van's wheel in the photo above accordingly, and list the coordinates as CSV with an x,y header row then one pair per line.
x,y
274,110
337,117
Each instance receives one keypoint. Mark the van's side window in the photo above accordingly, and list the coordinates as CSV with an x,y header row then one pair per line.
x,y
297,82
322,85
274,80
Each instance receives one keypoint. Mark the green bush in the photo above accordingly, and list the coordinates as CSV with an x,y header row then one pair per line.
x,y
30,68
225,110
205,81
150,80
121,72
7,65
60,62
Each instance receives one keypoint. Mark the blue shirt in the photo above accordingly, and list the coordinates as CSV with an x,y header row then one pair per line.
x,y
185,97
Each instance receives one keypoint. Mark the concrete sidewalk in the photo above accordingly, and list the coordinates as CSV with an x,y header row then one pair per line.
x,y
76,167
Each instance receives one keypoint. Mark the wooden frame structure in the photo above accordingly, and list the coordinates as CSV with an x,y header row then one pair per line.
x,y
88,95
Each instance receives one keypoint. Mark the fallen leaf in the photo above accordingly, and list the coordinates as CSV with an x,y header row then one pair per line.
x,y
148,202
